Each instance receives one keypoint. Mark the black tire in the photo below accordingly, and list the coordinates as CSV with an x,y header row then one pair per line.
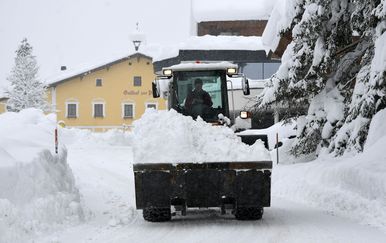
x,y
249,213
153,214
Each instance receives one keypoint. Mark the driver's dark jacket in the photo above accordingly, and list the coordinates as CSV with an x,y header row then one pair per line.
x,y
198,96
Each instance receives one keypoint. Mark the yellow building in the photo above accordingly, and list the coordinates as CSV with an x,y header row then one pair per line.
x,y
3,104
109,96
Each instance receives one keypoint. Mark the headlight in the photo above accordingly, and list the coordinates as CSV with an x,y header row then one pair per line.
x,y
167,72
231,71
245,114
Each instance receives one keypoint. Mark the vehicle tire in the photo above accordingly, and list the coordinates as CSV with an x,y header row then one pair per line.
x,y
154,214
249,213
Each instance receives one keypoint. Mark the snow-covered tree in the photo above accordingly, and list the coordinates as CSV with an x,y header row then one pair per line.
x,y
341,80
368,97
26,90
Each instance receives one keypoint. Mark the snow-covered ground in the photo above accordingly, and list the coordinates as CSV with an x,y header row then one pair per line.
x,y
37,187
328,200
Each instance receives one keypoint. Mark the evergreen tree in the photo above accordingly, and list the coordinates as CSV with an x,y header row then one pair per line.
x,y
336,76
26,90
369,19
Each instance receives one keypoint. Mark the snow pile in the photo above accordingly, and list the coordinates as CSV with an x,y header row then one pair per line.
x,y
351,186
37,188
167,136
281,17
284,130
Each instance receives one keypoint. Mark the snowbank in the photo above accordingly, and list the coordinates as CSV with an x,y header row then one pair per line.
x,y
351,186
283,130
37,188
84,138
167,136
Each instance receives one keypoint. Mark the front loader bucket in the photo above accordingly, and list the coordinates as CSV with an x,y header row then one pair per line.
x,y
203,184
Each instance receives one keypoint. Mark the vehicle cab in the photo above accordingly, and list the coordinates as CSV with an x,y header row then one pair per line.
x,y
199,88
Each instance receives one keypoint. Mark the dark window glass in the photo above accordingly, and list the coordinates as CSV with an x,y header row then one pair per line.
x,y
151,106
71,110
203,98
98,82
128,111
98,110
137,81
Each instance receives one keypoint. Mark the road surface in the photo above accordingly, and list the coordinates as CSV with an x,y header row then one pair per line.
x,y
105,180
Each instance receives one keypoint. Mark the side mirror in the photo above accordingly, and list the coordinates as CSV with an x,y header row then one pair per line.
x,y
155,88
245,86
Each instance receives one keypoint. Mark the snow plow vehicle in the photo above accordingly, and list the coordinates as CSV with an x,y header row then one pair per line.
x,y
242,188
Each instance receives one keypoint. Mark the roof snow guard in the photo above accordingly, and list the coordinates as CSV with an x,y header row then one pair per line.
x,y
236,56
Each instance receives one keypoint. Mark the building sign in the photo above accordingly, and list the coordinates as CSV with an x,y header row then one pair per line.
x,y
137,92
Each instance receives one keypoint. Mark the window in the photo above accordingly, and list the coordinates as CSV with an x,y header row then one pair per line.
x,y
72,110
128,110
260,70
98,82
151,106
137,81
207,103
99,110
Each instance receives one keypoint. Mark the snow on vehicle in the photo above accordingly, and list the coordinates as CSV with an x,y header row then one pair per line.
x,y
241,187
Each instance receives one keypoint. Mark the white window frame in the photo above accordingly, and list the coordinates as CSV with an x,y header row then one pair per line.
x,y
123,110
77,109
98,103
151,103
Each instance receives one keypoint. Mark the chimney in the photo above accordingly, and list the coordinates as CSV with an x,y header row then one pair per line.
x,y
63,68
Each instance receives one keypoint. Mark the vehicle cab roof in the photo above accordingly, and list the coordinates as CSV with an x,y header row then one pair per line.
x,y
201,66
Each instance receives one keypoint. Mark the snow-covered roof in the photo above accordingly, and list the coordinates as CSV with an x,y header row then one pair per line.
x,y
209,42
228,10
85,69
280,19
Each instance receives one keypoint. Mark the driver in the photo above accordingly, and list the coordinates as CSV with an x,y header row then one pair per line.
x,y
198,99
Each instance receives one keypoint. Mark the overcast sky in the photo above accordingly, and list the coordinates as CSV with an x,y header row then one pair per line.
x,y
82,32
68,32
